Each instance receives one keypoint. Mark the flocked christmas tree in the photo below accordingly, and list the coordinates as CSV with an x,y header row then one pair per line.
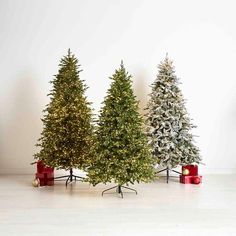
x,y
122,153
66,138
168,123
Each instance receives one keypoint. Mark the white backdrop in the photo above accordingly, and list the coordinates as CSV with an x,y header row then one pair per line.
x,y
200,36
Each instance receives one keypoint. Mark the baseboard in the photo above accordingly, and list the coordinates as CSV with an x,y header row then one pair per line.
x,y
27,171
31,171
202,169
205,170
17,171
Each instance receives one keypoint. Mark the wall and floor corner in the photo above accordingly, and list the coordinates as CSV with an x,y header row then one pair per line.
x,y
199,36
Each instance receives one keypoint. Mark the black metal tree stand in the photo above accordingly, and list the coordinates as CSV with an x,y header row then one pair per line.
x,y
70,178
119,190
168,173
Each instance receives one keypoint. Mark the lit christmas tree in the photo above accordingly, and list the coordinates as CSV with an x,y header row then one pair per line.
x,y
66,138
122,153
168,123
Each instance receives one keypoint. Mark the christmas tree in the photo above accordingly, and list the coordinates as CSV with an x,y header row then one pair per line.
x,y
66,138
123,155
168,123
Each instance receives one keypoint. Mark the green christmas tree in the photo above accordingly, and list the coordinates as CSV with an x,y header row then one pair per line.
x,y
122,153
66,138
168,123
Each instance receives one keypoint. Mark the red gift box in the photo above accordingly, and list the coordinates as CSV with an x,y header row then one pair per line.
x,y
192,169
186,179
45,179
41,168
45,174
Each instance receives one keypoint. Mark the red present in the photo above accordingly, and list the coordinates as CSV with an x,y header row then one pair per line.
x,y
48,169
197,179
45,174
41,168
190,170
186,179
45,179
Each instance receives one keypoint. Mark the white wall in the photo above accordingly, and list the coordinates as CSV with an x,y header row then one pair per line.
x,y
199,35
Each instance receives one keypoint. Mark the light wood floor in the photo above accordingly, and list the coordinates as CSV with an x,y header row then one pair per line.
x,y
158,209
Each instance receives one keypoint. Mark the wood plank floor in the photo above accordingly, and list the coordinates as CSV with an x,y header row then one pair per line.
x,y
158,209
